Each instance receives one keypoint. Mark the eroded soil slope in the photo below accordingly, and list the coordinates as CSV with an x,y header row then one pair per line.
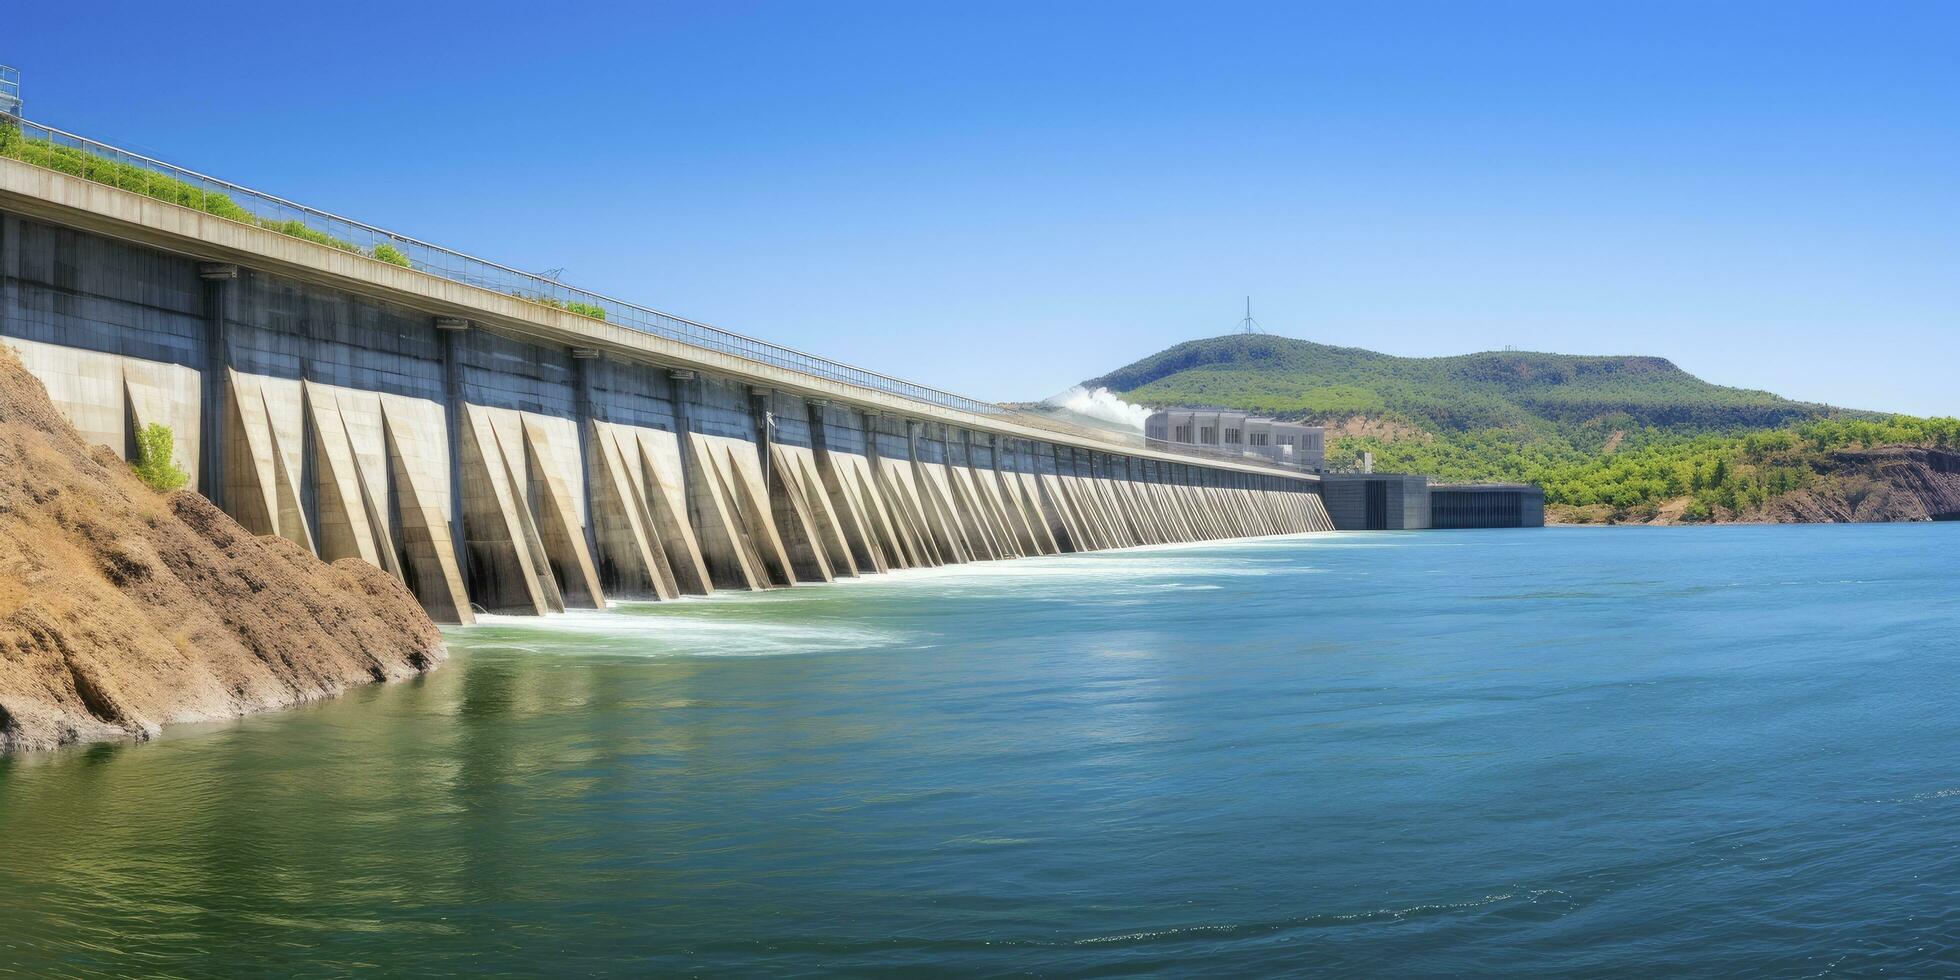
x,y
122,610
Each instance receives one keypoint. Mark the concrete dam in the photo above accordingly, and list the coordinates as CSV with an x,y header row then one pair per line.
x,y
500,442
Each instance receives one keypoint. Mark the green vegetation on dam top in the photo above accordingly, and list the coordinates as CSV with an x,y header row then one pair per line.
x,y
77,156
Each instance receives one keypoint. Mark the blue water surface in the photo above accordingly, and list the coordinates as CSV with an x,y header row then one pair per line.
x,y
1595,751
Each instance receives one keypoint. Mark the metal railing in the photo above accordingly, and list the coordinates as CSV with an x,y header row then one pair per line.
x,y
93,160
10,91
1252,456
228,200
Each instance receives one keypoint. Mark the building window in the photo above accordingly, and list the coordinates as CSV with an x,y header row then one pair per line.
x,y
1258,438
1232,437
1183,433
1207,435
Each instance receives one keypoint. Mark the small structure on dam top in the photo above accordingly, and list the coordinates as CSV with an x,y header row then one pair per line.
x,y
1228,433
10,91
499,441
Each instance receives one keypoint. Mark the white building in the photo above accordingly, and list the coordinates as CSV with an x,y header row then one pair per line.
x,y
1239,433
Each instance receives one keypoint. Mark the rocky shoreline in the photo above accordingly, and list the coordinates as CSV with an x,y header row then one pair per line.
x,y
1886,484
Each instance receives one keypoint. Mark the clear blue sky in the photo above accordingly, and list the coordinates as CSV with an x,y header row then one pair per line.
x,y
1002,199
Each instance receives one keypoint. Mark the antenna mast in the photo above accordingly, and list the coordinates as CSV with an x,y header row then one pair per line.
x,y
1249,325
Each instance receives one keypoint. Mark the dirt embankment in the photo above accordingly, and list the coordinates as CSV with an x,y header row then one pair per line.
x,y
122,610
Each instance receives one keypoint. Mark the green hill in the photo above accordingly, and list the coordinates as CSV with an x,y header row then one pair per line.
x,y
1609,437
1300,379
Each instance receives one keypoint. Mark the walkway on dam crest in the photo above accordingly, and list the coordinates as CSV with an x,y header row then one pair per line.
x,y
507,456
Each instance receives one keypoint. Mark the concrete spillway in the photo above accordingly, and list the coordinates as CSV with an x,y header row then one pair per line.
x,y
496,453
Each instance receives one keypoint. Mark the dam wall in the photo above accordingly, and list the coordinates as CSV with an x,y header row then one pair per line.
x,y
499,454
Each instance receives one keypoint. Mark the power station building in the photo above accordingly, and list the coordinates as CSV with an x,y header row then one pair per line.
x,y
1376,501
1406,502
1233,433
1364,501
1486,505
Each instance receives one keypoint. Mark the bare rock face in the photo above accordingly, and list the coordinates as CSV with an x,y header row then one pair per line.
x,y
1890,483
122,610
1864,486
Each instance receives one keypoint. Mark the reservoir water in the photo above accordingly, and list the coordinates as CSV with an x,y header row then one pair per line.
x,y
1698,751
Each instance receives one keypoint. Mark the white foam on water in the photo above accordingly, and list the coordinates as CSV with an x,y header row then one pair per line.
x,y
672,629
819,618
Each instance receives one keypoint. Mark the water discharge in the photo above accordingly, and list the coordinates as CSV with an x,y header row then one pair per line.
x,y
1558,751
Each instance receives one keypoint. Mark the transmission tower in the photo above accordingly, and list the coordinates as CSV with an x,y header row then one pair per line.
x,y
1249,325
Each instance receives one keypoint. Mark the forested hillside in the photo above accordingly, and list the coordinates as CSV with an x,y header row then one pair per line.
x,y
1610,438
1293,378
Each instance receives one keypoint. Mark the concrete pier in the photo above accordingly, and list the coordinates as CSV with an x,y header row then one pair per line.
x,y
502,455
